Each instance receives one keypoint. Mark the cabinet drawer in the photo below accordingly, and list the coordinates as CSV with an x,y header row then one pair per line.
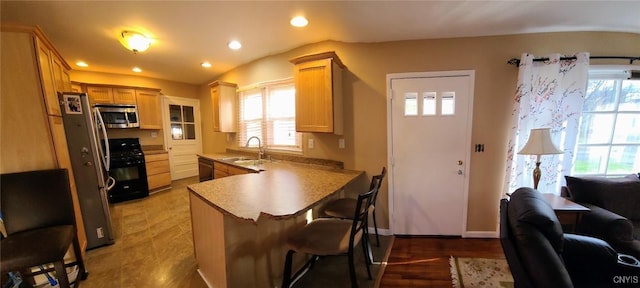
x,y
157,167
159,180
156,157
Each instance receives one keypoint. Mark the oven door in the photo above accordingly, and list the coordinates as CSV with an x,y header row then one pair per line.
x,y
131,181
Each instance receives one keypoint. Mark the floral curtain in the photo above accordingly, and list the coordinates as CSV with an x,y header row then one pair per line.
x,y
550,94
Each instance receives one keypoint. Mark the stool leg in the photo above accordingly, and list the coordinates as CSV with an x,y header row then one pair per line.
x,y
367,261
352,270
375,226
286,275
61,274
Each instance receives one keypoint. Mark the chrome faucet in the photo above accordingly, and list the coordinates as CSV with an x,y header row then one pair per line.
x,y
260,150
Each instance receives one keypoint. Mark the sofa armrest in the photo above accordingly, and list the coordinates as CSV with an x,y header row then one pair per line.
x,y
589,260
606,225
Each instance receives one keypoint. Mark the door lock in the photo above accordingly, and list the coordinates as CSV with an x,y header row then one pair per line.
x,y
460,162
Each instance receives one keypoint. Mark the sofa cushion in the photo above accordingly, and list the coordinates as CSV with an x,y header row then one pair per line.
x,y
618,195
528,206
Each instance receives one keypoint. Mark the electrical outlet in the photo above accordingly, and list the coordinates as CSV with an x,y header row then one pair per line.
x,y
311,143
341,143
100,232
154,134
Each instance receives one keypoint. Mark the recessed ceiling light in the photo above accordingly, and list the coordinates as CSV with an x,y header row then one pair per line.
x,y
235,45
136,69
205,64
82,64
299,21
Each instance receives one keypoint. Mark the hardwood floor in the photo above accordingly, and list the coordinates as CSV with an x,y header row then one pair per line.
x,y
424,261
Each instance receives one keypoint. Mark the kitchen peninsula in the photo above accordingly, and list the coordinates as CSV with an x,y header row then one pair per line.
x,y
240,223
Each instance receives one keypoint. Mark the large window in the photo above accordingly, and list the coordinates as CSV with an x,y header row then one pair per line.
x,y
268,112
609,136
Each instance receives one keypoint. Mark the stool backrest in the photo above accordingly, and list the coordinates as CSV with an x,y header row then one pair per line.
x,y
361,213
35,199
376,182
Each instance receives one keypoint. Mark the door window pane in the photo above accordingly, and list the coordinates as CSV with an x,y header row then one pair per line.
x,y
429,103
591,159
601,95
596,128
624,159
176,131
175,114
189,131
448,103
411,104
188,114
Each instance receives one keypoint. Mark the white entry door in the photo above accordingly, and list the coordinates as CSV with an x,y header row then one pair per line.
x,y
184,140
430,134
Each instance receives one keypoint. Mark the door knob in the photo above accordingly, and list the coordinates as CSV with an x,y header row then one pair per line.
x,y
459,172
459,162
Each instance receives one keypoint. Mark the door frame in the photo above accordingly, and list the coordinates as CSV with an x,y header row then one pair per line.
x,y
390,160
166,123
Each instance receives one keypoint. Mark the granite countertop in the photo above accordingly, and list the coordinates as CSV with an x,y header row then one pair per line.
x,y
282,190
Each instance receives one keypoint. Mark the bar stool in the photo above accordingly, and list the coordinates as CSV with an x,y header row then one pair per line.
x,y
343,207
330,236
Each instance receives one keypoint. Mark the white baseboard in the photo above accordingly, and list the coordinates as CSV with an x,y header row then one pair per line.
x,y
385,232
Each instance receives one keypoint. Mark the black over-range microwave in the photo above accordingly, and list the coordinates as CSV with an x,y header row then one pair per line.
x,y
119,116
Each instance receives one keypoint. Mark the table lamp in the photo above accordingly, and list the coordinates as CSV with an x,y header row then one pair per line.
x,y
539,144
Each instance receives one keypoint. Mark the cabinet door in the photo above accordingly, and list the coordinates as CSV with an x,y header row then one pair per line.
x,y
223,101
60,75
124,96
149,109
48,81
100,95
314,96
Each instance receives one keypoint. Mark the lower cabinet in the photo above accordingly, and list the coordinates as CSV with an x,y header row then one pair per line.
x,y
158,170
209,169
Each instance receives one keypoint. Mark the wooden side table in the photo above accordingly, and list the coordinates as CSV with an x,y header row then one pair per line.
x,y
568,212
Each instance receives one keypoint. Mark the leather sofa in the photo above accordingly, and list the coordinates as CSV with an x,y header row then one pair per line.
x,y
541,255
615,209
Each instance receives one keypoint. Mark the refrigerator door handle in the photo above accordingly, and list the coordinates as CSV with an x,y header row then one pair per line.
x,y
106,159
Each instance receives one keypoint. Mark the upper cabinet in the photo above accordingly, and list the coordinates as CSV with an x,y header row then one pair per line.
x,y
223,100
318,80
54,74
147,101
149,108
101,94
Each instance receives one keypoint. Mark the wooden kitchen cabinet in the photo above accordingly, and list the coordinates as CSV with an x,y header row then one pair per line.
x,y
318,81
101,94
223,170
53,73
224,104
29,113
149,114
158,171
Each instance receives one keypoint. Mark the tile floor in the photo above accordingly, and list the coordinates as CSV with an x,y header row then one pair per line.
x,y
153,244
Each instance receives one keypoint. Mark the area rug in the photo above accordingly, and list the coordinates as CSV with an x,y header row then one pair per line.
x,y
480,272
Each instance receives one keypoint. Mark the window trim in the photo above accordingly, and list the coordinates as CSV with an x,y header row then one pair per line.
x,y
264,88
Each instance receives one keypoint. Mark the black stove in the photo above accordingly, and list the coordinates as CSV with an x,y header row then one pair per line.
x,y
128,169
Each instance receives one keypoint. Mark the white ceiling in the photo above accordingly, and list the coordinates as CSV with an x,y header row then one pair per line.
x,y
187,33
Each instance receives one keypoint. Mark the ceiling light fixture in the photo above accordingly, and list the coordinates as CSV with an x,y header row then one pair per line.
x,y
299,21
235,45
136,69
134,41
205,64
82,64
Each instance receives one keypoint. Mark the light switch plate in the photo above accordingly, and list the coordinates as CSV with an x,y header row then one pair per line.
x,y
154,134
341,143
311,143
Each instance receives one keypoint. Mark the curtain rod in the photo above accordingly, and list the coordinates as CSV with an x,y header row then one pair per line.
x,y
516,61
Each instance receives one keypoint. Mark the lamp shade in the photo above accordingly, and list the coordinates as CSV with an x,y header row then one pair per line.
x,y
135,41
540,143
